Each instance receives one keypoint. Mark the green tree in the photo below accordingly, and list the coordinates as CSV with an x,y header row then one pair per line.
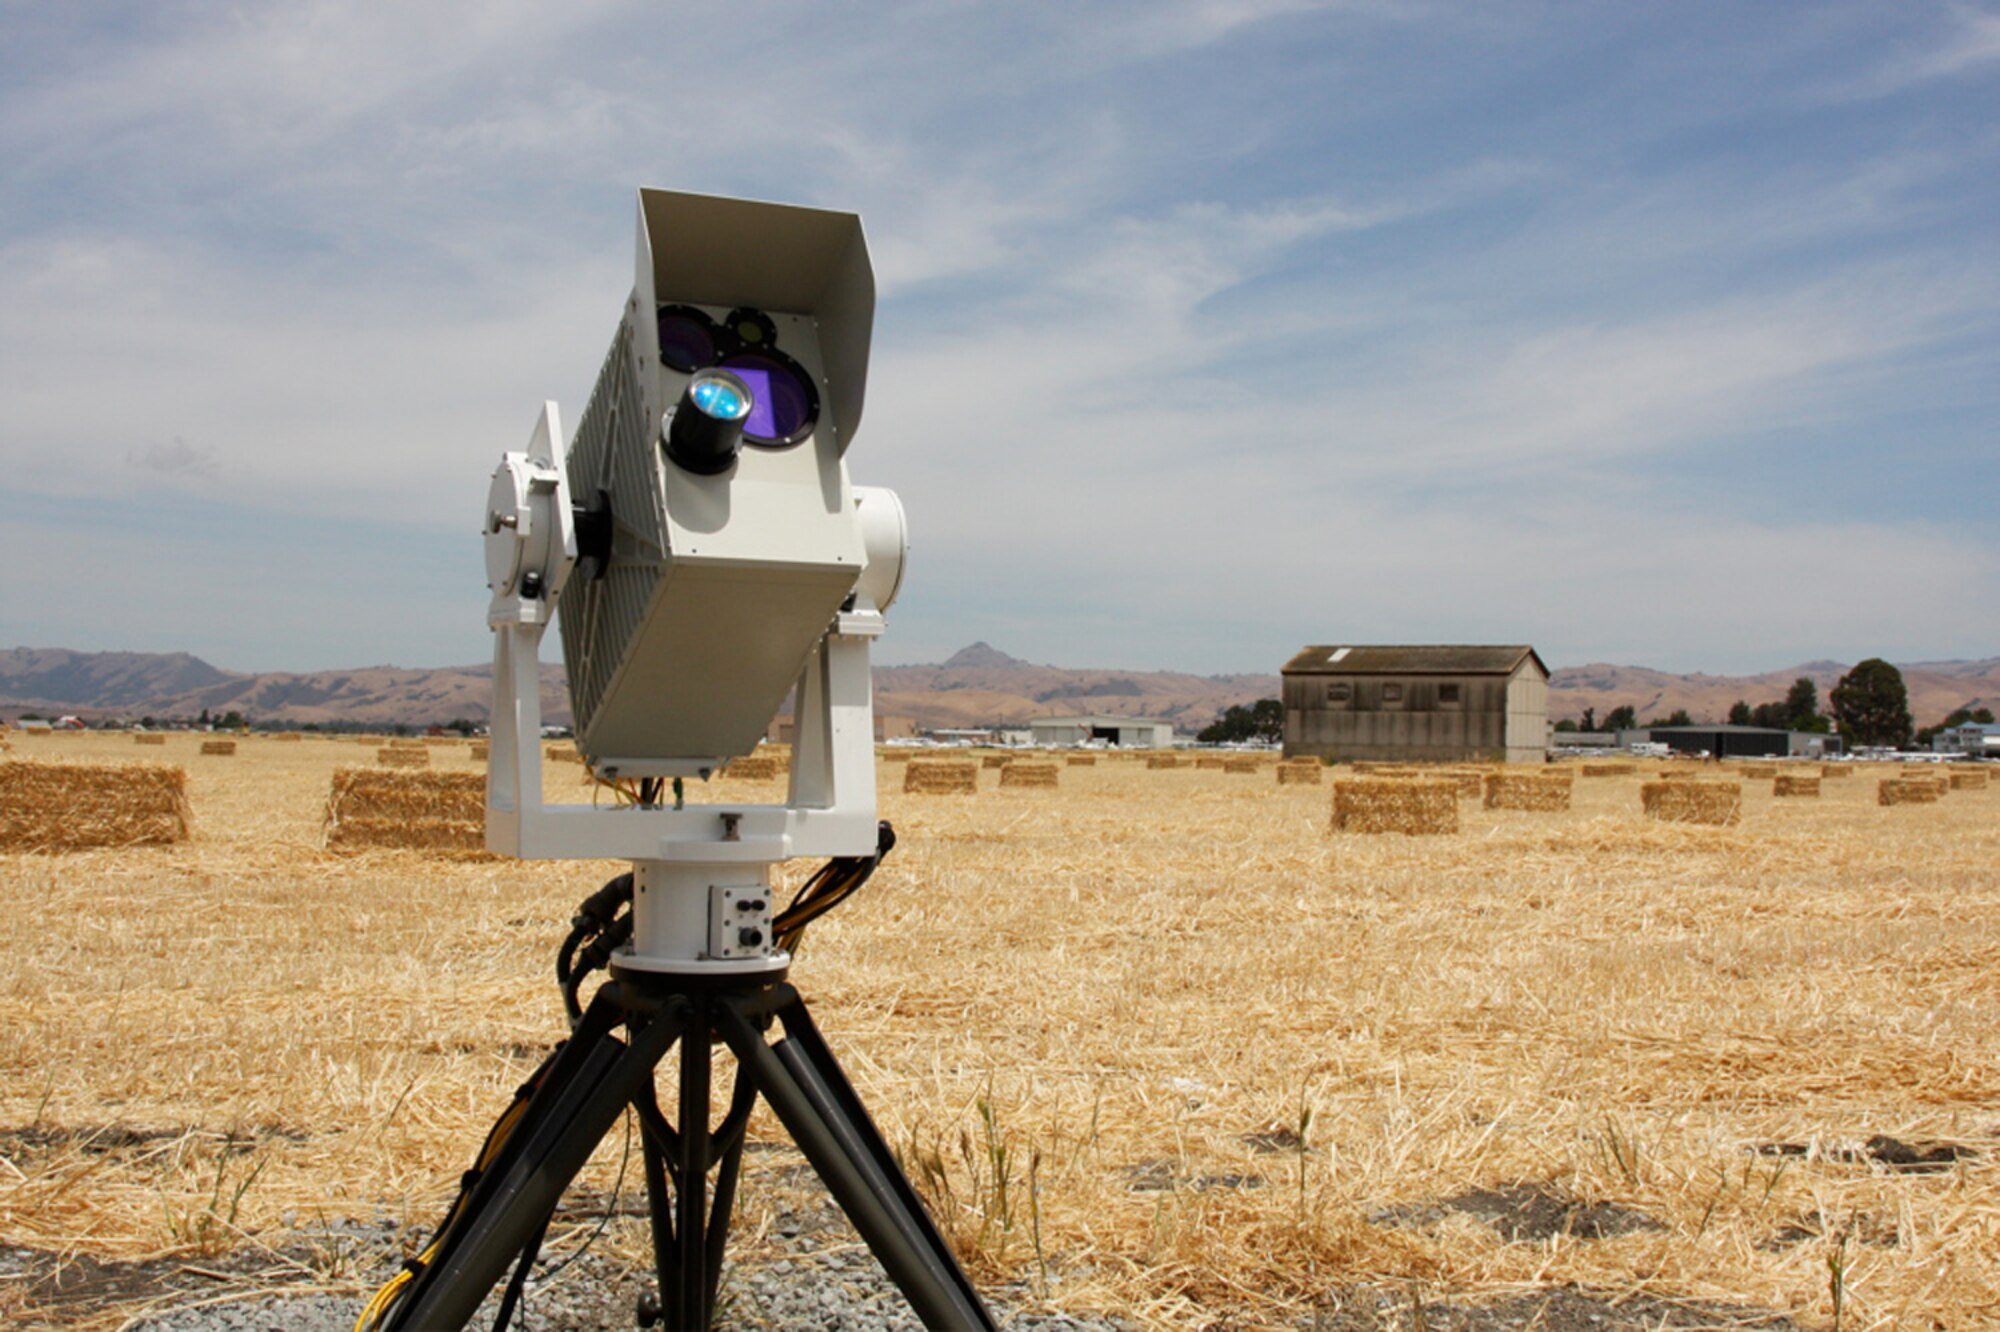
x,y
1678,717
1774,716
1566,726
1872,705
1262,720
232,720
1802,706
1739,713
1588,722
1622,718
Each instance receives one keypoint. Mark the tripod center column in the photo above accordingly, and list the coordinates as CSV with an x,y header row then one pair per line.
x,y
711,918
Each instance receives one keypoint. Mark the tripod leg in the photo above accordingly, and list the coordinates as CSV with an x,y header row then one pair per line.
x,y
811,1096
565,1120
690,1268
730,1137
687,1301
657,1141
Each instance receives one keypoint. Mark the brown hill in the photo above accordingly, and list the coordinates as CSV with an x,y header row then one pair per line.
x,y
978,686
982,686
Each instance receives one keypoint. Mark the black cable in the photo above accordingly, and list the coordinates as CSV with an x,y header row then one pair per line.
x,y
610,1208
829,886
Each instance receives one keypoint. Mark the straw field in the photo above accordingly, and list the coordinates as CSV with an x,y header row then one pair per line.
x,y
1156,1043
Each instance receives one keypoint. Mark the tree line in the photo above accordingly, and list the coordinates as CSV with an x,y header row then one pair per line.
x,y
1869,706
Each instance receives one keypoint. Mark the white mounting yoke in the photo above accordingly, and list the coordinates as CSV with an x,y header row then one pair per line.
x,y
687,858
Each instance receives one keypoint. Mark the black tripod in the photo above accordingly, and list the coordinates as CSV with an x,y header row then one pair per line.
x,y
578,1098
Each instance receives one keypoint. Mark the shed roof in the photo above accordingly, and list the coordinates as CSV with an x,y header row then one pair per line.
x,y
1449,659
1098,719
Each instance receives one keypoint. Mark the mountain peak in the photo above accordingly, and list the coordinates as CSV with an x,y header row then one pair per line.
x,y
982,654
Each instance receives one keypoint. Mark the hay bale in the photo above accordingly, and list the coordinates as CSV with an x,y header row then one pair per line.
x,y
1757,771
995,760
148,738
1080,760
405,742
1608,769
368,809
896,756
479,751
395,757
1162,761
73,806
1909,791
941,777
1208,762
1241,763
1471,782
220,748
1962,780
1299,772
1683,801
1795,784
1529,791
564,754
752,768
1835,770
1029,774
288,735
34,728
1398,805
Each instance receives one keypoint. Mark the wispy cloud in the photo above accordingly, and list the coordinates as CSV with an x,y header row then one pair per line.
x,y
1291,319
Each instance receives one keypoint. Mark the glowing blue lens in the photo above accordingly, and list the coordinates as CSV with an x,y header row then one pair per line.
x,y
720,399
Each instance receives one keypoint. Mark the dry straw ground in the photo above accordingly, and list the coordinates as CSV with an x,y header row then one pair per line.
x,y
1156,1042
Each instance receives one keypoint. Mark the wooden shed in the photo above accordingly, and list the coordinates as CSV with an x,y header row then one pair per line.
x,y
1441,704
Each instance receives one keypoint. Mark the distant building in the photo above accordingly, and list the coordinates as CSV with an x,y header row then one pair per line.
x,y
1443,703
1124,732
782,728
1559,740
1973,739
1725,741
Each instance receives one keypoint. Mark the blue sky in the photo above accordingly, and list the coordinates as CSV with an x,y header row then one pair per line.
x,y
1658,334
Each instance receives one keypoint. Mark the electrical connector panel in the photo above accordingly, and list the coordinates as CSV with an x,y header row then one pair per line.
x,y
739,921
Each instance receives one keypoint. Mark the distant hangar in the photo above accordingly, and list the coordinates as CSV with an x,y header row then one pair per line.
x,y
1432,704
1124,732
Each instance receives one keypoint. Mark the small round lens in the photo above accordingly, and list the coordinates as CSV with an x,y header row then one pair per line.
x,y
687,338
751,328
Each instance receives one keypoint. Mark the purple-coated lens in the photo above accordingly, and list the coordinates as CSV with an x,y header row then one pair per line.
x,y
786,405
